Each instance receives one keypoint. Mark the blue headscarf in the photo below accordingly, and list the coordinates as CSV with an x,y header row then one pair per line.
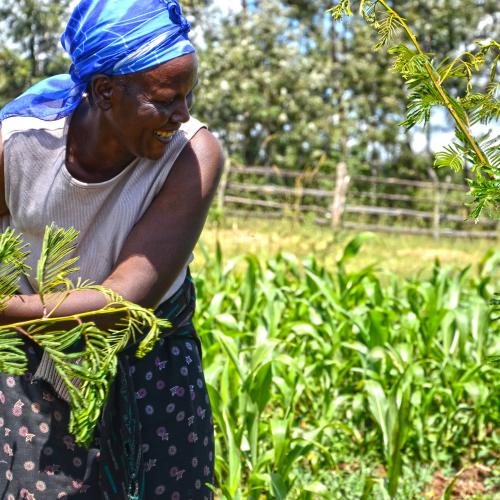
x,y
114,37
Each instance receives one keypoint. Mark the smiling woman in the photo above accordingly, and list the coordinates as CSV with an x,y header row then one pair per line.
x,y
111,150
134,115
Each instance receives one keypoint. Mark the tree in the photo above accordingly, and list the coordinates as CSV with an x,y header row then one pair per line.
x,y
265,97
31,49
371,95
356,110
195,7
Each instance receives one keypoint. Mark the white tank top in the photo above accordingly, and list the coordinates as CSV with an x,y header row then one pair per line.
x,y
40,190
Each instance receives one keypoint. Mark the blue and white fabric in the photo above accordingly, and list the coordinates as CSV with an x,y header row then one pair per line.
x,y
113,37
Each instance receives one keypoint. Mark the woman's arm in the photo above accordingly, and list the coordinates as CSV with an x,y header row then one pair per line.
x,y
159,246
160,243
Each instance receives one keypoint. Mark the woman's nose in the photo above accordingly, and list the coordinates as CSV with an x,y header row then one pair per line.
x,y
181,113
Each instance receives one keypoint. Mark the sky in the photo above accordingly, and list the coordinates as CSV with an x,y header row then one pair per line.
x,y
224,5
227,5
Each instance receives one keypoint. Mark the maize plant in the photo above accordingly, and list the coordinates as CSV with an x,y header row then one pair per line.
x,y
316,374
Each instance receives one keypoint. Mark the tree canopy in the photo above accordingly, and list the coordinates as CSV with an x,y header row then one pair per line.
x,y
280,82
284,85
29,49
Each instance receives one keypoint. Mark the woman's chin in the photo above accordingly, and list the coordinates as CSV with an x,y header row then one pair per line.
x,y
156,151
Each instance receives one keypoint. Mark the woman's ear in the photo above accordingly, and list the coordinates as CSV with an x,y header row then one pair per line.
x,y
101,90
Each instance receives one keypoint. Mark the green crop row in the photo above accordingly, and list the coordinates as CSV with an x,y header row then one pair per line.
x,y
312,372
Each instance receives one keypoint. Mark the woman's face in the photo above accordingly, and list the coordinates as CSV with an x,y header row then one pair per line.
x,y
148,107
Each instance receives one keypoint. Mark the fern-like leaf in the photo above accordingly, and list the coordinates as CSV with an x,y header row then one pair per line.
x,y
387,29
85,357
12,356
407,62
12,264
87,374
486,196
343,8
54,266
452,157
89,371
491,147
426,80
420,103
483,108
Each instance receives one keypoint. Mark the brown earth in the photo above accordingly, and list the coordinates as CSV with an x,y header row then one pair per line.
x,y
469,482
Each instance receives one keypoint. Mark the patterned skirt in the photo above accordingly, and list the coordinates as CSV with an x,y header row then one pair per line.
x,y
154,440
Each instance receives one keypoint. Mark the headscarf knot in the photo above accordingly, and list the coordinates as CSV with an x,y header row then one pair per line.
x,y
176,15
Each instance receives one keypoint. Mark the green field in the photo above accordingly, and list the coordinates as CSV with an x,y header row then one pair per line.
x,y
404,255
332,378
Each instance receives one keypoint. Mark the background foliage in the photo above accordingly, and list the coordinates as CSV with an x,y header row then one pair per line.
x,y
347,107
29,43
281,83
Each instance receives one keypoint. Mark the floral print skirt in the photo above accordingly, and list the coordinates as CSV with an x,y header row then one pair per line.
x,y
155,439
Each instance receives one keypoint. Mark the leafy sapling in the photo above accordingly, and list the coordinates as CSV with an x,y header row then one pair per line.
x,y
87,371
426,79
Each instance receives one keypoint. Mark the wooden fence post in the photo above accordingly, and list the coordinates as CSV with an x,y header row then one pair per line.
x,y
339,195
436,218
222,187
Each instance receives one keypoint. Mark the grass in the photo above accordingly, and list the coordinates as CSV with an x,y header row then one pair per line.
x,y
403,255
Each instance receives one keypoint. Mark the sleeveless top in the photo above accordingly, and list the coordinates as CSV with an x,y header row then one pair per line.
x,y
40,190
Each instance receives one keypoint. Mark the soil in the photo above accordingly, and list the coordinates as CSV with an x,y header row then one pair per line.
x,y
470,482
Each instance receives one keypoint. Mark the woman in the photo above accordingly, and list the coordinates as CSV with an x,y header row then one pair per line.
x,y
111,150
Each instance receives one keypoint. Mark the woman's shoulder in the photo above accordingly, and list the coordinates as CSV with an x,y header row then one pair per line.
x,y
196,141
201,138
205,150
